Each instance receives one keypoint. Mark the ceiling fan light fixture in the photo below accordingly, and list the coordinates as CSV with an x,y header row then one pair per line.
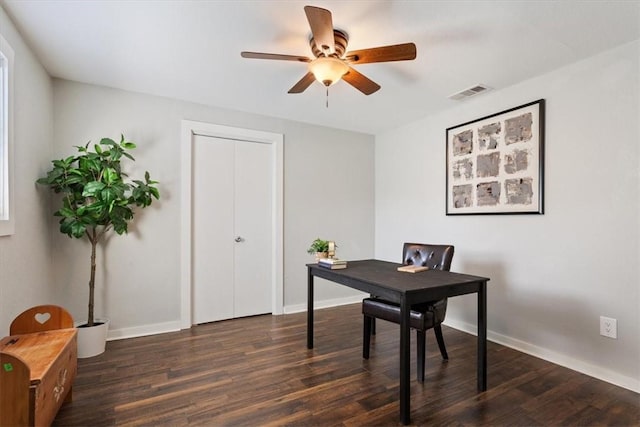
x,y
328,70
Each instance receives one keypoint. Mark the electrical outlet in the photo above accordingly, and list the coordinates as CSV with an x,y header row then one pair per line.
x,y
608,327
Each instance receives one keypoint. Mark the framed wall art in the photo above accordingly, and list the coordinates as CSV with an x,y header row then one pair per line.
x,y
495,164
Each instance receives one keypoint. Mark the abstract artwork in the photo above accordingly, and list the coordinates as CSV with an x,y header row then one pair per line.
x,y
495,164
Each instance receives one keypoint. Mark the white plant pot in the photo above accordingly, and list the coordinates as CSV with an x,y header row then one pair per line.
x,y
92,340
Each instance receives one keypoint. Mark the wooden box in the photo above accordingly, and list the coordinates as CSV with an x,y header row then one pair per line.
x,y
50,359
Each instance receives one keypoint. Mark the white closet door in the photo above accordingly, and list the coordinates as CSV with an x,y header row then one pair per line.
x,y
232,228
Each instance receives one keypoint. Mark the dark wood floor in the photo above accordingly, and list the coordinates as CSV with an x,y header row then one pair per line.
x,y
257,372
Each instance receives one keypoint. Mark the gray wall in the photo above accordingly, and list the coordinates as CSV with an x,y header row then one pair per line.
x,y
328,192
552,275
25,258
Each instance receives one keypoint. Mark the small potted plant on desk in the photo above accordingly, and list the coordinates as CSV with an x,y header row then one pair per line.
x,y
319,248
96,199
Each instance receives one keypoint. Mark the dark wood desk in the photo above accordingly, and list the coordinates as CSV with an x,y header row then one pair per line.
x,y
381,278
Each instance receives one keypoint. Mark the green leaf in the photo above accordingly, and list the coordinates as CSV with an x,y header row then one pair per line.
x,y
108,141
128,145
92,188
110,176
65,226
115,154
107,195
78,229
72,227
74,180
120,227
97,148
66,212
155,192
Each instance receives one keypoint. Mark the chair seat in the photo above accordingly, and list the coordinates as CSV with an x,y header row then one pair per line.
x,y
382,309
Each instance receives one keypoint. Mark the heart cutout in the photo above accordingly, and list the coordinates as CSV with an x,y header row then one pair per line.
x,y
42,318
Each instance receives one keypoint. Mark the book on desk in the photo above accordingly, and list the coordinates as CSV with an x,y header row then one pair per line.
x,y
332,263
411,268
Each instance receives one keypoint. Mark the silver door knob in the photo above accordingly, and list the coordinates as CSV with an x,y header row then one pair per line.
x,y
239,239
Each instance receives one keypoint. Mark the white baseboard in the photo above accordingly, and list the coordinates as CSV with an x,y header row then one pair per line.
x,y
161,328
297,308
598,372
141,331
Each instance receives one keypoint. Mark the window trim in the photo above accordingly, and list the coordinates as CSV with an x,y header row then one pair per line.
x,y
7,214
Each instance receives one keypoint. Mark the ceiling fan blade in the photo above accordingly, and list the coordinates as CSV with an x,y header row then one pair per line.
x,y
321,25
260,55
398,52
304,83
360,82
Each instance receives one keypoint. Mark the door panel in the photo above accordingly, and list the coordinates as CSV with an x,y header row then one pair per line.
x,y
212,233
253,216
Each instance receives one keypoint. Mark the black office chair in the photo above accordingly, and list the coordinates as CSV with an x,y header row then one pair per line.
x,y
423,316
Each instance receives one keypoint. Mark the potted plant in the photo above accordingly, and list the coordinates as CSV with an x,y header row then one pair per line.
x,y
97,197
319,248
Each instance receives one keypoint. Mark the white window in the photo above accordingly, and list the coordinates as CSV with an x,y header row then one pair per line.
x,y
7,217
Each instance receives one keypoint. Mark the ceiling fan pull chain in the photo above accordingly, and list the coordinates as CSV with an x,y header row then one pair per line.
x,y
327,104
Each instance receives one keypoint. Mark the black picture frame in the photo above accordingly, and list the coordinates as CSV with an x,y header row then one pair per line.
x,y
495,164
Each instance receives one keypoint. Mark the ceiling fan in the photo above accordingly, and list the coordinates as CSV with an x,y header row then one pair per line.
x,y
331,64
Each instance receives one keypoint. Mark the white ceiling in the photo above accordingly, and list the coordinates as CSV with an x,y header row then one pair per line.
x,y
190,50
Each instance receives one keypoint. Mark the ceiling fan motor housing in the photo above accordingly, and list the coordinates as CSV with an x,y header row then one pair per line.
x,y
341,41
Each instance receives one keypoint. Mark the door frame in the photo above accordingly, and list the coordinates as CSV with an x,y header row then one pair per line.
x,y
190,129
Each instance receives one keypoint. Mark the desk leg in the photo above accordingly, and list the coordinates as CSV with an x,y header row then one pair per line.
x,y
405,362
482,337
309,309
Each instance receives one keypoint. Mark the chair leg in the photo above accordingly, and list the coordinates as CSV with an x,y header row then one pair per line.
x,y
420,340
438,331
373,320
366,336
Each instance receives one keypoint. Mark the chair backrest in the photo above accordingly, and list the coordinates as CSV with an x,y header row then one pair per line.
x,y
436,257
41,318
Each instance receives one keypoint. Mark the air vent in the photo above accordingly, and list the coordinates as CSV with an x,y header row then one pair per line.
x,y
474,90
